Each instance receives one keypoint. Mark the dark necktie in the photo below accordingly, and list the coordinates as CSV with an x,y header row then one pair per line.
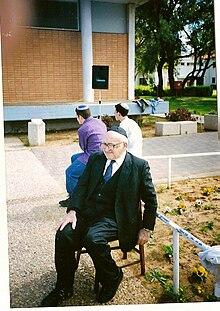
x,y
108,172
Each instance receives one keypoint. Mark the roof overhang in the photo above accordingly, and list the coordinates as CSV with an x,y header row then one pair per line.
x,y
136,2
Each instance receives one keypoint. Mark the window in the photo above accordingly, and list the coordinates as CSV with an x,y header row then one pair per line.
x,y
52,14
213,80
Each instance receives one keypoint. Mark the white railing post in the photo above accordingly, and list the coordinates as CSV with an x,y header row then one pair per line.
x,y
169,172
175,261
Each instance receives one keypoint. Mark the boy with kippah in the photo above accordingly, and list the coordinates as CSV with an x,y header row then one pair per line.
x,y
91,133
132,129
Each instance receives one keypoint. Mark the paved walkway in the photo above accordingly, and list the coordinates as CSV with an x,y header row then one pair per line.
x,y
188,167
40,171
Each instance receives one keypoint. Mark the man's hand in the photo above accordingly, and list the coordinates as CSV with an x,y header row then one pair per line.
x,y
69,218
143,237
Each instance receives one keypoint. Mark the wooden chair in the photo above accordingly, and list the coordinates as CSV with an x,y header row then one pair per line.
x,y
138,249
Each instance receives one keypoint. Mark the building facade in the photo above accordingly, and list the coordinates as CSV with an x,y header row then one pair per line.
x,y
184,67
54,53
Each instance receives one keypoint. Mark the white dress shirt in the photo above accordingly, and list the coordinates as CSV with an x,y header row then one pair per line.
x,y
135,140
118,162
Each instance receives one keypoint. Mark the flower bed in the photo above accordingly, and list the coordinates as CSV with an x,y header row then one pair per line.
x,y
194,206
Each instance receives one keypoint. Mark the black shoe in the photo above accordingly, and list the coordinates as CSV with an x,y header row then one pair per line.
x,y
55,297
107,293
64,203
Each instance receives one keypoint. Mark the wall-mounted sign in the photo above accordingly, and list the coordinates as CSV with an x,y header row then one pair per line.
x,y
100,77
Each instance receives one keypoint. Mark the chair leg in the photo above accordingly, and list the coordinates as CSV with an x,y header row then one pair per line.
x,y
142,259
124,256
78,254
96,284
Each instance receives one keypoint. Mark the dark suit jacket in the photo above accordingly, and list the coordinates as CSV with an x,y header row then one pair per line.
x,y
134,184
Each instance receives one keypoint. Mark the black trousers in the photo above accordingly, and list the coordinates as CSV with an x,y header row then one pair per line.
x,y
95,238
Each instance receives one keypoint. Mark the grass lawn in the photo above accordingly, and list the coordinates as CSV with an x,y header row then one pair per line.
x,y
196,105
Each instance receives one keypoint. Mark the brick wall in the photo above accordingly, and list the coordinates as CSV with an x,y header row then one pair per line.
x,y
112,50
46,66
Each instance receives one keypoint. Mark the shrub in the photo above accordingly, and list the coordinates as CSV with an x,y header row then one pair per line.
x,y
181,114
199,91
107,120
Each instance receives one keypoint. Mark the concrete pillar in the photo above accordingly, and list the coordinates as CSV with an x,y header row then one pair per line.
x,y
36,132
131,50
217,57
4,268
87,56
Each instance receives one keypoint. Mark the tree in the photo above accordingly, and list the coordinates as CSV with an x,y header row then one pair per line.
x,y
198,27
161,27
157,38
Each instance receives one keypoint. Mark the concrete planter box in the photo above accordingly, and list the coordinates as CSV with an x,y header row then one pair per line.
x,y
175,128
211,122
188,127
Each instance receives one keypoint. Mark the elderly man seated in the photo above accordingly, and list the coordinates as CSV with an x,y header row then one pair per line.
x,y
104,207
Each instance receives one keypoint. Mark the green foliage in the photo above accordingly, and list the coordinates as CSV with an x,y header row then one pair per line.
x,y
27,144
176,211
208,207
181,114
169,295
168,249
211,298
144,90
218,237
207,226
159,29
155,275
180,197
198,91
161,189
180,296
188,228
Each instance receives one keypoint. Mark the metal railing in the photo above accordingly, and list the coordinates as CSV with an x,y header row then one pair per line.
x,y
176,231
176,156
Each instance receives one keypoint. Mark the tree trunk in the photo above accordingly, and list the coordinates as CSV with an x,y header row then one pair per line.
x,y
160,91
170,74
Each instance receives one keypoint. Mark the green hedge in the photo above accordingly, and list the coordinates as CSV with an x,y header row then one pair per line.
x,y
144,90
197,91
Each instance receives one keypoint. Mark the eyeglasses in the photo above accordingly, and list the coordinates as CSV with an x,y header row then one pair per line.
x,y
110,146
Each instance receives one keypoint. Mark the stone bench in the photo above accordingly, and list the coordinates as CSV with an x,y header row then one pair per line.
x,y
175,128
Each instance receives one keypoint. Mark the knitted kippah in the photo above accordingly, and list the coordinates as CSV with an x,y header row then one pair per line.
x,y
119,130
82,107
